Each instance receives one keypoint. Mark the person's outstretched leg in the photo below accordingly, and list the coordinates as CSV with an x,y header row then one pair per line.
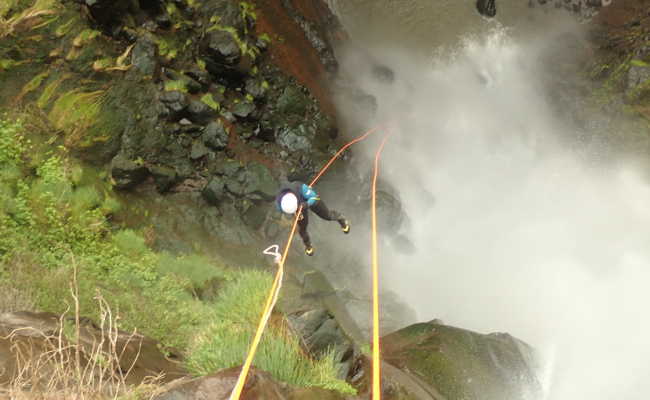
x,y
303,221
320,209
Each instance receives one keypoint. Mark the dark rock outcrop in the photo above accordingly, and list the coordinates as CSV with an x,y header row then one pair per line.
x,y
259,386
127,173
321,333
143,56
175,101
487,8
215,135
294,139
214,191
254,181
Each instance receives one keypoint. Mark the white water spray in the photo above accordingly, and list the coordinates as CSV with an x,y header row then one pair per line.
x,y
523,236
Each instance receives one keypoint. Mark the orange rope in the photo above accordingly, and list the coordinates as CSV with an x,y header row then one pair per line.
x,y
277,283
268,309
338,153
376,363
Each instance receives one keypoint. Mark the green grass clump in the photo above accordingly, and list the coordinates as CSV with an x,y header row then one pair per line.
x,y
209,100
178,84
76,110
225,343
199,270
48,226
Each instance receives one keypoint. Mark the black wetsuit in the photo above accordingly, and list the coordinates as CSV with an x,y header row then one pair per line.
x,y
319,208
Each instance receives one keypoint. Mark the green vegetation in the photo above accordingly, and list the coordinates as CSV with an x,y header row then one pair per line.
x,y
54,224
225,342
209,100
178,84
49,224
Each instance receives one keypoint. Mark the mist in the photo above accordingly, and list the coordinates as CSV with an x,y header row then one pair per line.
x,y
513,229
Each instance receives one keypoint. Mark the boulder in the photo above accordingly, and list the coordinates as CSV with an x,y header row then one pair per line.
x,y
461,364
199,112
254,182
222,48
259,386
214,191
487,8
255,88
127,173
298,138
143,56
638,79
243,109
255,216
321,333
175,101
165,177
215,136
198,150
293,101
35,334
188,80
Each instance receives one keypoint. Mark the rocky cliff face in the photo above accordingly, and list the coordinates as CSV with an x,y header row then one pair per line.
x,y
197,108
216,97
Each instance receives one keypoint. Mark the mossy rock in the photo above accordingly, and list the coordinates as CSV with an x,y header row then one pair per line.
x,y
462,364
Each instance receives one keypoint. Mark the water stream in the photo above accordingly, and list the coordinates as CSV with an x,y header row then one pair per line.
x,y
513,229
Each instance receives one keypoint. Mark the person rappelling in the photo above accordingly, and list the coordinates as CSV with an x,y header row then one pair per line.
x,y
295,194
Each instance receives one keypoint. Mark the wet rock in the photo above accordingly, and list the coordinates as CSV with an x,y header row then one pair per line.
x,y
26,332
259,386
215,136
254,182
223,48
127,173
450,360
163,20
255,88
190,84
390,209
175,101
383,74
638,80
243,109
198,150
255,216
165,177
299,138
199,112
214,191
200,76
246,134
108,14
293,101
143,56
487,8
321,333
229,168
